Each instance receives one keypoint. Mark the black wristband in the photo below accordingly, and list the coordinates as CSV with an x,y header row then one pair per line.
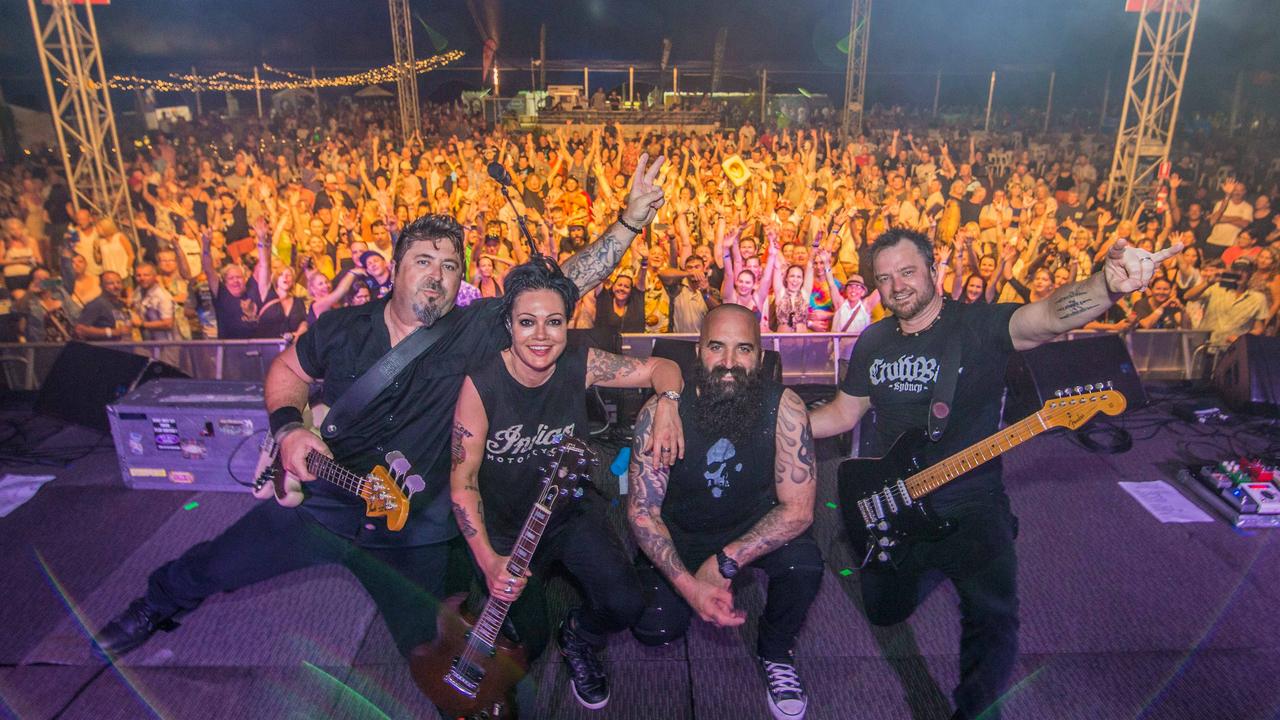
x,y
283,416
628,225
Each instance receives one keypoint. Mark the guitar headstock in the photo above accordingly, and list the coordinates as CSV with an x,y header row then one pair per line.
x,y
386,490
568,471
1074,406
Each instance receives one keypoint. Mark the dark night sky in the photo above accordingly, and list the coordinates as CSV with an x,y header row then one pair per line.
x,y
1082,39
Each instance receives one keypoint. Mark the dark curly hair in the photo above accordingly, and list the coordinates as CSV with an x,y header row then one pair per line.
x,y
539,273
429,227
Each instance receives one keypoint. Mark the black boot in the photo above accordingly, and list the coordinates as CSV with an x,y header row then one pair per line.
x,y
130,629
590,682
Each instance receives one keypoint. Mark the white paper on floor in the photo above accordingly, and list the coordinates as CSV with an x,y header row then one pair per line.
x,y
17,489
1165,502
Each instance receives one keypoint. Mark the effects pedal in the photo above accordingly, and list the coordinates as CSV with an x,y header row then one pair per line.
x,y
1245,492
1265,495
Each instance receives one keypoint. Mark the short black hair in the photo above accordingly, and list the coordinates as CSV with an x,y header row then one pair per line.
x,y
539,273
891,238
429,227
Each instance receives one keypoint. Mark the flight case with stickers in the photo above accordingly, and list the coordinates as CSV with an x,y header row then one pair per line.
x,y
189,434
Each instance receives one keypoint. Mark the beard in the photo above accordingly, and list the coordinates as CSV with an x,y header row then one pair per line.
x,y
911,305
430,311
726,409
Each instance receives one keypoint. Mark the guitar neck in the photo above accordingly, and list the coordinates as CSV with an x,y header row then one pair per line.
x,y
981,452
489,625
324,468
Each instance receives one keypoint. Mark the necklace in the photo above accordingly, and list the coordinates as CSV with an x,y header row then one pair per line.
x,y
926,328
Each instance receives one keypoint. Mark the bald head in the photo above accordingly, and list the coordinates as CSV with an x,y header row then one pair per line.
x,y
730,338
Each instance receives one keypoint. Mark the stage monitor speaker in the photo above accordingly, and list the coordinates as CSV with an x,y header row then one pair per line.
x,y
85,378
1248,375
1034,376
685,353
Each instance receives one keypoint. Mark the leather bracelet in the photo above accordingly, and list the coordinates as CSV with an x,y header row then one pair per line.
x,y
283,416
286,429
625,224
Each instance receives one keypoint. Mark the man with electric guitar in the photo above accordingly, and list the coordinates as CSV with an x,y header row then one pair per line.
x,y
935,371
510,415
393,369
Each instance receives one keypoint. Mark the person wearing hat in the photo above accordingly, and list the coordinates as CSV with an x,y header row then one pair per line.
x,y
1231,309
333,196
853,304
377,273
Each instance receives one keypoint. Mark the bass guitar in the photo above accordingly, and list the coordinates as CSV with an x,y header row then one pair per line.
x,y
470,669
384,490
882,500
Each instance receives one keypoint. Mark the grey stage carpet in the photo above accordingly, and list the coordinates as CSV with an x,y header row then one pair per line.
x,y
1122,616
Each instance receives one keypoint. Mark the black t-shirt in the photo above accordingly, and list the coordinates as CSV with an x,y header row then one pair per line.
x,y
100,312
524,423
237,316
898,373
1200,232
413,415
969,211
631,321
721,488
272,320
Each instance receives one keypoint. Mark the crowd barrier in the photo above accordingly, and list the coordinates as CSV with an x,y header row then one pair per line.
x,y
806,357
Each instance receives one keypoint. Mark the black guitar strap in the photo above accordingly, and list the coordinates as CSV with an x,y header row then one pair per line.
x,y
944,390
377,378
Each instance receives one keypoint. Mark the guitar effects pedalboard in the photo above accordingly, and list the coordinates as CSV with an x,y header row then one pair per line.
x,y
1246,492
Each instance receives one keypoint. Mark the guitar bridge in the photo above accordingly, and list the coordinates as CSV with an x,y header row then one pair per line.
x,y
465,680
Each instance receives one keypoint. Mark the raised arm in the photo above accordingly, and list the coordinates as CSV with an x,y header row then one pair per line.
x,y
1127,270
663,376
206,261
591,265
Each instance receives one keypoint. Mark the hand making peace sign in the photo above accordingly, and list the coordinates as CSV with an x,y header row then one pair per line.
x,y
646,197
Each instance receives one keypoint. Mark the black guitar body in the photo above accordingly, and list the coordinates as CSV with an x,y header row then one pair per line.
x,y
879,516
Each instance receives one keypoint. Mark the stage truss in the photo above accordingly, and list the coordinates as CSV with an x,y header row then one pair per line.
x,y
407,80
855,74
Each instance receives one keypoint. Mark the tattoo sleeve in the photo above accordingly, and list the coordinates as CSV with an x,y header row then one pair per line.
x,y
605,367
592,264
795,474
644,510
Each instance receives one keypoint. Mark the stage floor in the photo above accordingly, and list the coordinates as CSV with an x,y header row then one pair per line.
x,y
1122,616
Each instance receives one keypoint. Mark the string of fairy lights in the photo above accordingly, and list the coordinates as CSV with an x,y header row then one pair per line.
x,y
223,81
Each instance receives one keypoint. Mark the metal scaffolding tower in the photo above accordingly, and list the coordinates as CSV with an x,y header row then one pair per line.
x,y
80,104
407,80
855,73
1150,110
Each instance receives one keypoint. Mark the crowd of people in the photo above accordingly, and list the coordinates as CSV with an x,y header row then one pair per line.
x,y
249,228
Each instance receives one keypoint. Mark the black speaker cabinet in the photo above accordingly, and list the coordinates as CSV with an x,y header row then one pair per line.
x,y
85,378
1036,375
1248,375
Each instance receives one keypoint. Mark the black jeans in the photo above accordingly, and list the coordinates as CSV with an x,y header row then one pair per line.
x,y
406,583
979,559
592,553
794,573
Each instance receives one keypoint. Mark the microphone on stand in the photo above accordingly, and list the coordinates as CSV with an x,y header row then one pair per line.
x,y
500,174
503,178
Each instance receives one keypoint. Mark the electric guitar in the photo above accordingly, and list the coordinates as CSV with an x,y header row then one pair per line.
x,y
470,669
883,499
380,489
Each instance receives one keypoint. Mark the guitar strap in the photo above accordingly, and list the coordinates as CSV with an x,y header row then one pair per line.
x,y
377,378
944,390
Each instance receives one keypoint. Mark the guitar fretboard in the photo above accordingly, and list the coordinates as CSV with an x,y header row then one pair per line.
x,y
326,469
941,473
489,625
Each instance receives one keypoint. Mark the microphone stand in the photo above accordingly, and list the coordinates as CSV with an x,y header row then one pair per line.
x,y
524,229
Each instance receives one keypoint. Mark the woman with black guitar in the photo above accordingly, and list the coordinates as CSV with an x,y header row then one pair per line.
x,y
510,415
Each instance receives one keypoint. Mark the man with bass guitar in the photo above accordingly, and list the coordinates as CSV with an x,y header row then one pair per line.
x,y
941,364
392,369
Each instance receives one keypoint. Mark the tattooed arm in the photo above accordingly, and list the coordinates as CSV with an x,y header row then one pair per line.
x,y
591,265
466,447
1127,269
644,513
620,371
795,473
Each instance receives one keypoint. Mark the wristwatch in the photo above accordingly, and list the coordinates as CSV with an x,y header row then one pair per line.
x,y
728,566
670,395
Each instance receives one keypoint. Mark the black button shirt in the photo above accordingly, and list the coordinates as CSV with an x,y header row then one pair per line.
x,y
413,415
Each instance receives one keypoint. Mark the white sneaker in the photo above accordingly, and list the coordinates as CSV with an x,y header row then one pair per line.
x,y
787,699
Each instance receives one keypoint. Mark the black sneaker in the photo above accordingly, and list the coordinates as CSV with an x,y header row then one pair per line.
x,y
130,629
787,699
590,682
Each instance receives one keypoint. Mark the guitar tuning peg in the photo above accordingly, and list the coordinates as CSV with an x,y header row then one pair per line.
x,y
1058,394
1089,387
414,484
400,466
1079,389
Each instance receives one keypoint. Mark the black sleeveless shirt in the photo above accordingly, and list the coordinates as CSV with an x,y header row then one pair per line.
x,y
523,423
721,488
